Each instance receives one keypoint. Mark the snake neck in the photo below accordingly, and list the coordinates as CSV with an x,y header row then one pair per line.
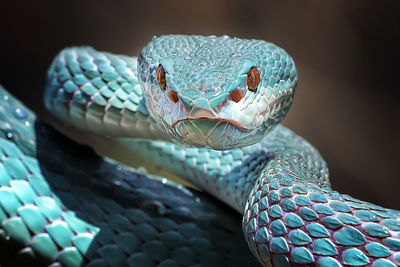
x,y
231,175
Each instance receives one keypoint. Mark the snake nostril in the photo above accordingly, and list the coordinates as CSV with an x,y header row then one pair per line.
x,y
173,96
236,95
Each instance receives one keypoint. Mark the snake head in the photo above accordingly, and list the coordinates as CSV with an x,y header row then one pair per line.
x,y
216,92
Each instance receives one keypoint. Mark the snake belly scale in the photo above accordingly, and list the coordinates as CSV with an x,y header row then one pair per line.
x,y
207,109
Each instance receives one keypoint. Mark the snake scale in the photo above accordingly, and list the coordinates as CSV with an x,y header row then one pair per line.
x,y
206,108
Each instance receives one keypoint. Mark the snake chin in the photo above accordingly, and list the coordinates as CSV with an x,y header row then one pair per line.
x,y
218,134
213,122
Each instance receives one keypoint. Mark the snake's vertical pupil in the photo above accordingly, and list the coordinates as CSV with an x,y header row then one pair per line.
x,y
253,79
160,74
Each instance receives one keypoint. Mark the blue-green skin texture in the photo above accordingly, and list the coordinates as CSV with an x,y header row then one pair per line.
x,y
63,205
277,180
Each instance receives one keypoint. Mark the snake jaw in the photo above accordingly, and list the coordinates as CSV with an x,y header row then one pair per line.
x,y
215,133
209,132
222,120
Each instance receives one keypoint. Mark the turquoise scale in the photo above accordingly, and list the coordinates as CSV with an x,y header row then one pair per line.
x,y
302,255
331,223
348,219
293,220
308,214
288,205
377,250
279,245
376,230
317,230
298,237
354,257
349,236
278,228
328,262
324,247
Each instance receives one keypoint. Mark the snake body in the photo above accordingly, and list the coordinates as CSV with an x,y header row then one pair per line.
x,y
276,179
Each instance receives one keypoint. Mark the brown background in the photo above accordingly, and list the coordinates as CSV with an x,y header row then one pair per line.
x,y
347,54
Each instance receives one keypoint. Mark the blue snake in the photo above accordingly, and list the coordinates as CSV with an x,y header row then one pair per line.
x,y
206,109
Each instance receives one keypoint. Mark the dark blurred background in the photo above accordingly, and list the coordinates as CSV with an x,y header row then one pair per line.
x,y
347,54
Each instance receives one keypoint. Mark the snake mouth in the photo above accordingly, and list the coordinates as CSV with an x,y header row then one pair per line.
x,y
209,132
213,120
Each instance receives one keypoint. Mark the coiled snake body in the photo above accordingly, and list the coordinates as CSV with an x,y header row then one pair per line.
x,y
224,97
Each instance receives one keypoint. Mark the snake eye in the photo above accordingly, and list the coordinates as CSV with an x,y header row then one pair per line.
x,y
160,74
253,79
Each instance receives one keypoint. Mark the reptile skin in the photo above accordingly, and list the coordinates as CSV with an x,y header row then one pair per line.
x,y
61,204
